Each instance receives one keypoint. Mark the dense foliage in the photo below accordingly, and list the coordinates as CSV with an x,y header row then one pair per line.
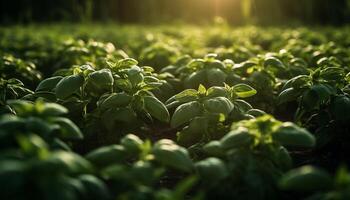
x,y
131,112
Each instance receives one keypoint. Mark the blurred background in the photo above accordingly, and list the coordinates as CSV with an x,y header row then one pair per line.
x,y
236,12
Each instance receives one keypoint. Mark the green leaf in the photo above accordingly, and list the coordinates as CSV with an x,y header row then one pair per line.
x,y
340,108
186,96
290,134
53,109
131,143
317,95
332,73
244,90
127,62
68,129
48,84
185,112
202,90
216,91
273,62
216,77
123,84
67,162
306,178
69,85
242,105
214,148
107,155
94,188
193,133
40,126
211,170
289,94
297,82
236,139
100,80
256,112
283,158
121,99
218,105
169,154
135,75
156,108
9,124
195,79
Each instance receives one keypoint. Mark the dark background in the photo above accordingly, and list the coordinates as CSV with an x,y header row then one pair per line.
x,y
282,12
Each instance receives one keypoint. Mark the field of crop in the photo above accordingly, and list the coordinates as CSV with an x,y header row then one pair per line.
x,y
137,112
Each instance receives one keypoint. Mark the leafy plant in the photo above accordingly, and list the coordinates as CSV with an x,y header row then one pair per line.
x,y
43,119
202,113
253,157
317,183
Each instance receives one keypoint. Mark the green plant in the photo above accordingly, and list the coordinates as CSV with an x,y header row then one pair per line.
x,y
317,183
42,119
11,89
202,113
253,157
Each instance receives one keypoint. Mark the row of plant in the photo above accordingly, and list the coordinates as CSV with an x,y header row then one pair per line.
x,y
251,113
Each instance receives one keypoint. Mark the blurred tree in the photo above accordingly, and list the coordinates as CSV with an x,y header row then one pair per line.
x,y
154,11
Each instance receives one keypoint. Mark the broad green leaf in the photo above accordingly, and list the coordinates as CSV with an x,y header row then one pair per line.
x,y
131,143
68,129
127,62
48,84
100,80
283,158
216,91
69,85
9,124
317,95
243,105
195,79
121,99
123,84
156,108
186,96
194,132
53,109
218,105
332,73
216,77
244,90
237,139
107,155
273,62
306,178
297,82
289,94
290,134
135,75
185,113
169,154
214,148
211,170
94,188
67,162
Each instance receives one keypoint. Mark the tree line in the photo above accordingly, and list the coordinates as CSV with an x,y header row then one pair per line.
x,y
335,12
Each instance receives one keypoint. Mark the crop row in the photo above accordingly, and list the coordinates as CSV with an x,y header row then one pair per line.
x,y
174,113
